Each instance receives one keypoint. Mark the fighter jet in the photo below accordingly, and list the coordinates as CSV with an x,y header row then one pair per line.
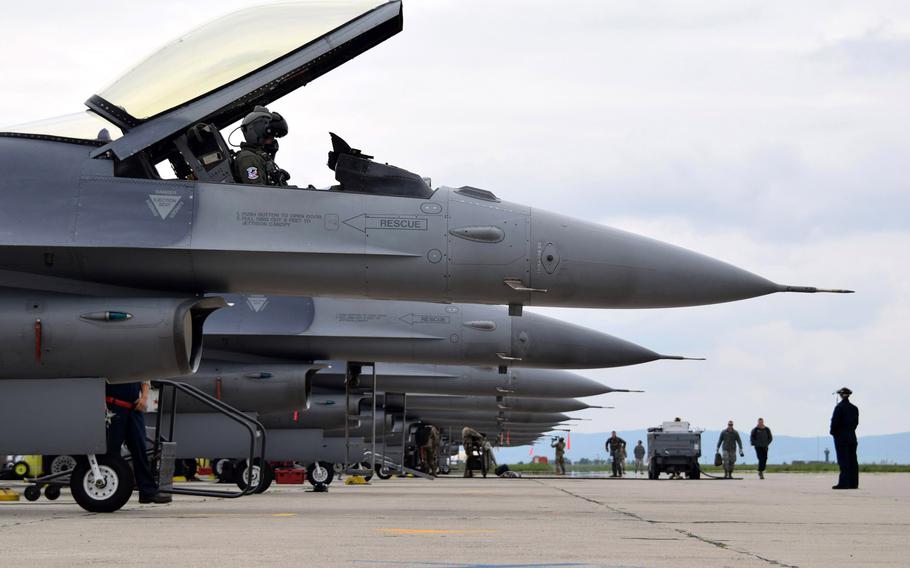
x,y
468,381
93,217
496,404
308,329
102,261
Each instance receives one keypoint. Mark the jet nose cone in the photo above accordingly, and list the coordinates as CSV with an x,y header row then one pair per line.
x,y
584,264
546,383
545,342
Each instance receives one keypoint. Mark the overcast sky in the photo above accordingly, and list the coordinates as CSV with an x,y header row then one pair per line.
x,y
770,135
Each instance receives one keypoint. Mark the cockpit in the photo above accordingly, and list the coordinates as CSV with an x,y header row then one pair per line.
x,y
174,105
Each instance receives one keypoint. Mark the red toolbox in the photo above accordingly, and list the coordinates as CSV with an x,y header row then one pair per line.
x,y
290,476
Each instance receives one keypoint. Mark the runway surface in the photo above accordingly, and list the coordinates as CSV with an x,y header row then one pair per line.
x,y
786,520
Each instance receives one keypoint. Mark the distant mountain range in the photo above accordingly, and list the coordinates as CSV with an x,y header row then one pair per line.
x,y
889,448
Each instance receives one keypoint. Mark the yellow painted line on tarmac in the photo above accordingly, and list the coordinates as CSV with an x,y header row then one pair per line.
x,y
215,515
435,531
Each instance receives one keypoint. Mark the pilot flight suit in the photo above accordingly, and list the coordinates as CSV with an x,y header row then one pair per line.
x,y
616,447
727,442
560,447
253,164
128,425
843,428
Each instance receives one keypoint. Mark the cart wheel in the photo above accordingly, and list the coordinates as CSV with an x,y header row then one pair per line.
x,y
108,494
383,472
32,492
653,473
319,473
20,470
695,472
52,492
366,466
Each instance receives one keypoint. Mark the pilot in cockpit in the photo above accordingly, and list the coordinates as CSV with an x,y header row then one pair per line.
x,y
255,162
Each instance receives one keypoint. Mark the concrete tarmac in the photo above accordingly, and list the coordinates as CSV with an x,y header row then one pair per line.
x,y
786,520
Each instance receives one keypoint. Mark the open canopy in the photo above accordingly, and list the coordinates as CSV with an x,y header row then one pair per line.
x,y
220,71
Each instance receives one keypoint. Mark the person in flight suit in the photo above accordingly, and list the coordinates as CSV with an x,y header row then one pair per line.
x,y
843,428
255,162
616,447
727,442
127,404
560,447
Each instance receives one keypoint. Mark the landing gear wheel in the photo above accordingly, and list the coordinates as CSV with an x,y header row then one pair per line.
x,y
262,476
104,495
383,471
320,473
62,463
223,470
52,492
32,492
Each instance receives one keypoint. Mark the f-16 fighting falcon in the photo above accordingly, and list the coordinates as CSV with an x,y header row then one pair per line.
x,y
104,261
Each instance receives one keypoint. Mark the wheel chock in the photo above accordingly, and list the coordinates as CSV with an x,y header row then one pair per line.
x,y
356,480
8,494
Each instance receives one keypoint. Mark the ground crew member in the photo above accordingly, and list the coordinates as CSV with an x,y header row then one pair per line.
x,y
127,402
255,162
560,446
473,445
729,439
843,428
616,447
761,438
435,442
639,453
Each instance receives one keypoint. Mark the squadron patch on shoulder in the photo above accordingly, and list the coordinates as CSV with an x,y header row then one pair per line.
x,y
252,173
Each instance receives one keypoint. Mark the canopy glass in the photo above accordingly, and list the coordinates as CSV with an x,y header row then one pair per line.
x,y
225,50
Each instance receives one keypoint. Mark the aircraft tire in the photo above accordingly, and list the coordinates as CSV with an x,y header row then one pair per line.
x,y
323,476
62,463
366,466
263,475
107,499
383,472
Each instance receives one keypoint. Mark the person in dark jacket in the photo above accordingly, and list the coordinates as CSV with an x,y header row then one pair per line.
x,y
126,404
843,428
760,439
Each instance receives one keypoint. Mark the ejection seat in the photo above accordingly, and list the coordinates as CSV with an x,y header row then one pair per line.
x,y
358,173
206,154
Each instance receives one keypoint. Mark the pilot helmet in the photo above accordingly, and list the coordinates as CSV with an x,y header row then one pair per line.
x,y
261,125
